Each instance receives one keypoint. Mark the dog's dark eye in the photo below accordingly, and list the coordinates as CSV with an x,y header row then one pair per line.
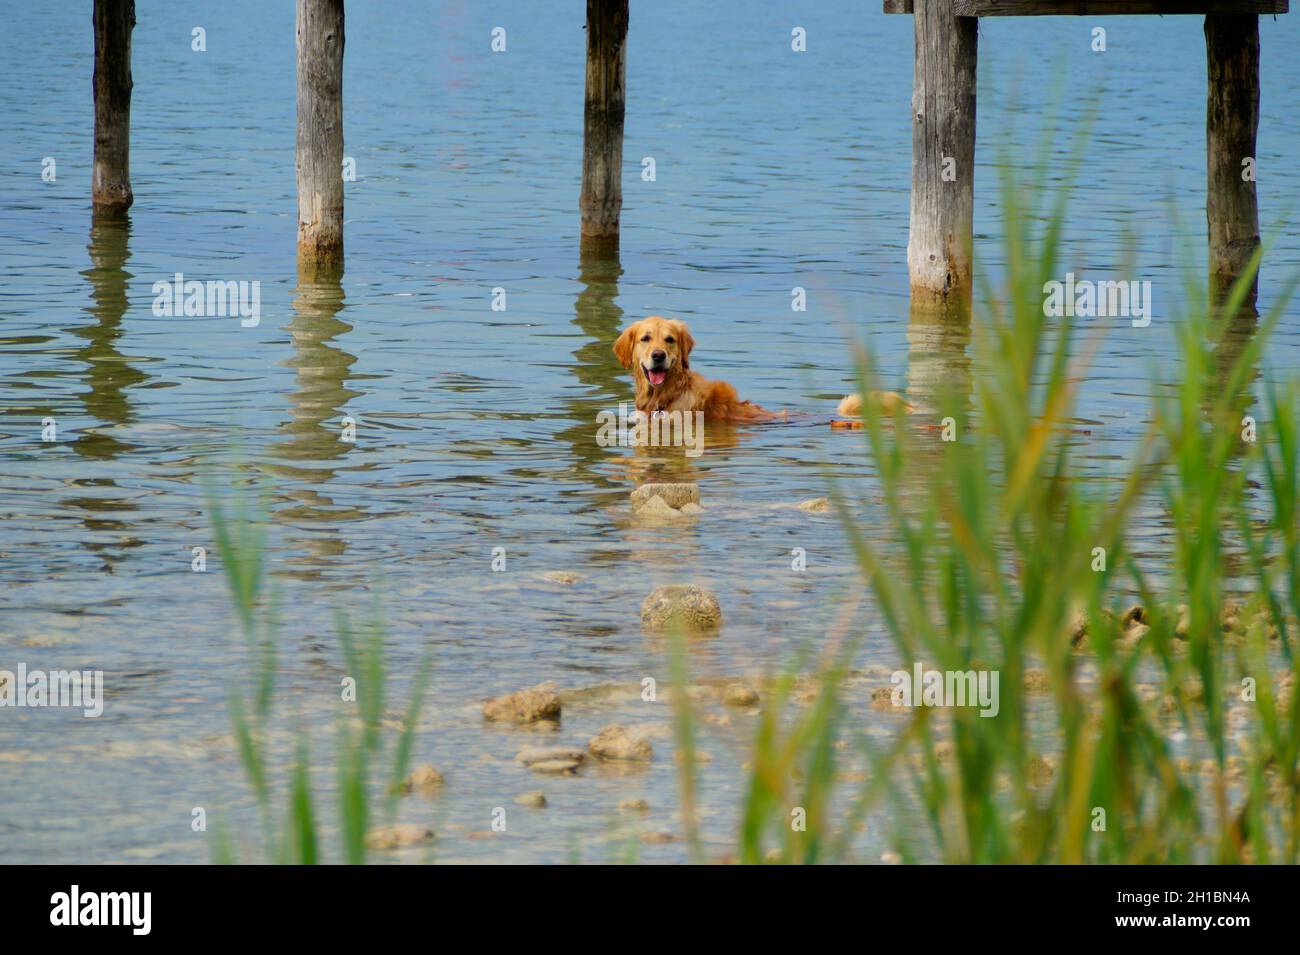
x,y
670,339
645,338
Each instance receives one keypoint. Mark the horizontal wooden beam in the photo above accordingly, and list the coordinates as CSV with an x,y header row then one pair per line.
x,y
1093,8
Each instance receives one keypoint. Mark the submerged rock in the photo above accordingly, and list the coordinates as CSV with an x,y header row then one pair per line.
x,y
679,757
534,800
616,742
656,511
403,836
882,699
739,694
633,805
1133,635
816,505
1232,620
540,754
565,577
665,503
685,605
1132,626
539,702
675,496
1041,770
1037,681
1076,627
424,780
555,767
1134,615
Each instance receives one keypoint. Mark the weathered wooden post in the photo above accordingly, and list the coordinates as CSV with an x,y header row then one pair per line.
x,y
1231,122
110,185
943,152
943,127
602,139
320,130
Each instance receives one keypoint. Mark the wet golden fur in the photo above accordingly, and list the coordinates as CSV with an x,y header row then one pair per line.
x,y
685,390
682,389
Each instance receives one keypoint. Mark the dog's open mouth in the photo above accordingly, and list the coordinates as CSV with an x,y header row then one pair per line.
x,y
655,376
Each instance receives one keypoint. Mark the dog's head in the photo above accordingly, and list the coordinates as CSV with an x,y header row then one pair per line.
x,y
655,349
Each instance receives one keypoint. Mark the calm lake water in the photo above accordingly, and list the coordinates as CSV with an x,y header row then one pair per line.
x,y
475,429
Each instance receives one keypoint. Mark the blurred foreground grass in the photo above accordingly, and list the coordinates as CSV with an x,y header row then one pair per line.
x,y
989,560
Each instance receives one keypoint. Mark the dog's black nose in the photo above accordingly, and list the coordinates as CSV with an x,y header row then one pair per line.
x,y
658,357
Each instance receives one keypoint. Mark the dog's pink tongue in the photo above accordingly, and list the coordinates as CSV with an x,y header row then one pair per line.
x,y
656,377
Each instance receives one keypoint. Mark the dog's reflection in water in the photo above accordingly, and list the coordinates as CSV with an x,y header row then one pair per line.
x,y
669,459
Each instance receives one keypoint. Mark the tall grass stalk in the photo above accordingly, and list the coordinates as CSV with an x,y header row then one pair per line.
x,y
987,560
291,834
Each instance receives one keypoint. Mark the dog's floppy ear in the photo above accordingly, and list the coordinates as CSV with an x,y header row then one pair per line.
x,y
623,346
687,342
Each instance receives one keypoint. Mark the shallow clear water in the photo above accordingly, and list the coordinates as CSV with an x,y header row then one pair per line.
x,y
476,428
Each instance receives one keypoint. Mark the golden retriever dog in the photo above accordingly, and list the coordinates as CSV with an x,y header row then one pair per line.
x,y
658,353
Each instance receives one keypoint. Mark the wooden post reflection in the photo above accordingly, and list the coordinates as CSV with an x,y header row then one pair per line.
x,y
109,373
939,382
314,431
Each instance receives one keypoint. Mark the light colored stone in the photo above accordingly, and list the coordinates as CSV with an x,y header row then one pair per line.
x,y
1132,636
1230,615
633,805
1037,681
566,577
739,694
541,754
816,505
424,780
882,700
1077,626
1041,771
534,800
686,605
539,702
700,757
555,767
402,836
616,742
673,495
1133,616
656,512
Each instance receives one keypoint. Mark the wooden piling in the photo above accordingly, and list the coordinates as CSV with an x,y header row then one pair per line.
x,y
110,185
320,130
1231,123
601,200
943,152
